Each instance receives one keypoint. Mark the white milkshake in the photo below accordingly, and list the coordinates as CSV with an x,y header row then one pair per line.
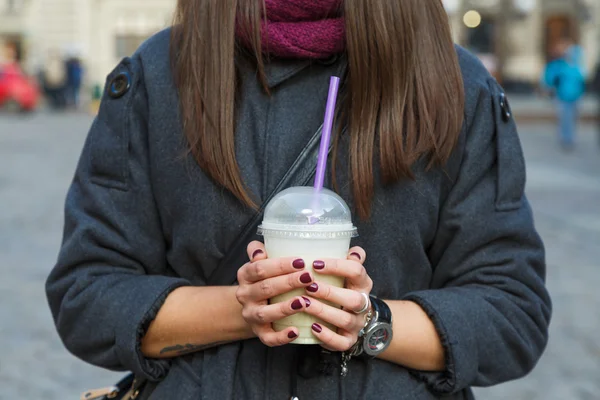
x,y
312,225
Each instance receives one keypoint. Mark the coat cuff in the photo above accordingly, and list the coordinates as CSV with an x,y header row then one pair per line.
x,y
138,309
452,313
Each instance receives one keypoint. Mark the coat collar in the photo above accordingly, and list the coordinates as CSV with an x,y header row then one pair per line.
x,y
278,71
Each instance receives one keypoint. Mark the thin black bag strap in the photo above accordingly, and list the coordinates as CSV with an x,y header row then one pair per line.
x,y
301,173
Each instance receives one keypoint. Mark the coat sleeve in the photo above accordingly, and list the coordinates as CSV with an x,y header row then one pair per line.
x,y
109,280
488,299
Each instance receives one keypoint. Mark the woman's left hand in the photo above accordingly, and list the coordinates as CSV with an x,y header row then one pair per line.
x,y
351,298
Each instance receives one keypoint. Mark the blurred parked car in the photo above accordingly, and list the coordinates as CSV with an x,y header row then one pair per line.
x,y
17,91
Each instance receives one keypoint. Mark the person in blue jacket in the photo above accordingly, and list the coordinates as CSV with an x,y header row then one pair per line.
x,y
565,76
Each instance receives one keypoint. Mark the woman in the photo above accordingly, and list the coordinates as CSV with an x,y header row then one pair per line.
x,y
201,124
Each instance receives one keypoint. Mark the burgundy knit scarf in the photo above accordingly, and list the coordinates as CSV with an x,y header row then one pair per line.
x,y
312,29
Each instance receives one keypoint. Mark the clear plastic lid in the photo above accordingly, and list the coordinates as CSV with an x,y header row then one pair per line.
x,y
303,212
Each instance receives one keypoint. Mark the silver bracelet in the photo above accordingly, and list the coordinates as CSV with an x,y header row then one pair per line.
x,y
357,349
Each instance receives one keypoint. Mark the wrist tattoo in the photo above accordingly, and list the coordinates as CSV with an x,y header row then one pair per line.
x,y
183,349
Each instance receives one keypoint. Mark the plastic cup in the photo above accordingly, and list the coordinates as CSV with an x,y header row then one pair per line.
x,y
312,225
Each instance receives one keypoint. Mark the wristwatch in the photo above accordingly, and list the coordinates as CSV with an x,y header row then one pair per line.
x,y
376,337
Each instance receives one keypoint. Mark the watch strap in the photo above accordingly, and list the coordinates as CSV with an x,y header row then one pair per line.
x,y
381,311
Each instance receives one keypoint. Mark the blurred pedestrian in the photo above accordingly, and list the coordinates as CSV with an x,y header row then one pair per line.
x,y
565,76
74,80
54,80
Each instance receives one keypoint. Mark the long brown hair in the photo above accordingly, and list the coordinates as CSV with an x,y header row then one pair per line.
x,y
403,92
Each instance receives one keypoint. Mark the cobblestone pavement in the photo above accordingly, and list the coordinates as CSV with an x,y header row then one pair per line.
x,y
37,159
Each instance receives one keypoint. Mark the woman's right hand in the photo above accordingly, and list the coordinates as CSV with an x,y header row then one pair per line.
x,y
263,278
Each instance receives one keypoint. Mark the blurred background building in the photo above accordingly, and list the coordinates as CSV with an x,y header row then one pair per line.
x,y
516,38
100,32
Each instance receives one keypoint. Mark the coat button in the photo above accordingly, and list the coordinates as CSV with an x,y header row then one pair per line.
x,y
119,85
505,108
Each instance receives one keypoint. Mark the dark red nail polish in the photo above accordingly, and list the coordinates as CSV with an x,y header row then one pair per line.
x,y
317,328
257,253
292,335
306,278
306,301
356,255
298,264
296,305
318,265
313,288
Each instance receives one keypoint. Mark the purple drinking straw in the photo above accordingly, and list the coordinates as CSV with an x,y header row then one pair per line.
x,y
325,143
326,134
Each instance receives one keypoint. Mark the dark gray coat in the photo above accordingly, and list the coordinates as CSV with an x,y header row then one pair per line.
x,y
142,219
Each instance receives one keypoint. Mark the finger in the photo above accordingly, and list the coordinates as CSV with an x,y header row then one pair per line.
x,y
350,300
331,340
268,268
345,320
357,254
270,338
266,314
256,251
354,272
272,287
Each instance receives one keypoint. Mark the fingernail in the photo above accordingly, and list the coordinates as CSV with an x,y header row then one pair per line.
x,y
356,255
317,328
319,265
306,301
292,335
313,288
306,278
296,305
298,264
257,253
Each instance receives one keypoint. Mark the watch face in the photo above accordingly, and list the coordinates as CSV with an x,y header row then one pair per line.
x,y
378,339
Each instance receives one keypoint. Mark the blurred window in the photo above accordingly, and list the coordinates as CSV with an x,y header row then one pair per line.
x,y
481,39
559,27
11,6
126,45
